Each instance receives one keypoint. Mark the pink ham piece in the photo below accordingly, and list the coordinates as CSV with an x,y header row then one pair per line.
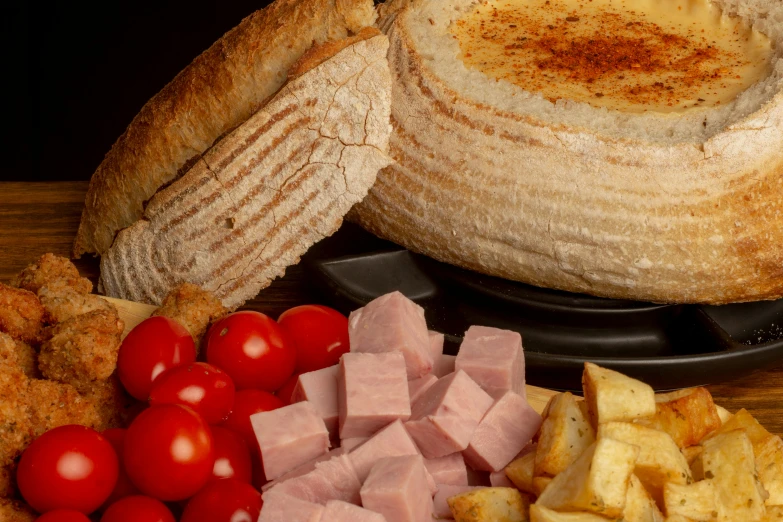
x,y
338,511
440,505
397,488
319,388
507,427
450,470
354,442
289,437
444,365
304,469
391,441
417,387
493,358
279,507
499,479
393,323
334,479
372,392
444,418
436,344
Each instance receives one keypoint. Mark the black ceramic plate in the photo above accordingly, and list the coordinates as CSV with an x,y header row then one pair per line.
x,y
668,346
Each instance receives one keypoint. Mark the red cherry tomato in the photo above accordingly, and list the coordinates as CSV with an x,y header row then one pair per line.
x,y
226,500
252,349
232,457
63,515
70,467
208,390
124,486
169,452
152,347
138,508
319,333
285,391
246,403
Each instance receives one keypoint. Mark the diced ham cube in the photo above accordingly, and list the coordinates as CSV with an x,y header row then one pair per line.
x,y
436,344
507,427
444,365
289,437
304,469
372,391
417,387
334,479
450,469
354,442
444,418
319,388
393,323
391,441
338,511
440,505
493,358
499,479
397,488
279,507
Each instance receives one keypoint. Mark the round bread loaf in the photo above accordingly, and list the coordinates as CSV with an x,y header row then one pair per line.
x,y
649,206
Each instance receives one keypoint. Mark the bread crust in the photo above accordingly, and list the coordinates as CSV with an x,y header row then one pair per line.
x,y
220,89
509,195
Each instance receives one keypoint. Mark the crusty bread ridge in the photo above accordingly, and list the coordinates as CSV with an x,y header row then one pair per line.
x,y
647,215
258,199
219,90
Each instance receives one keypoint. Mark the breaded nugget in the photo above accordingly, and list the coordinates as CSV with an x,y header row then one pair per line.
x,y
63,302
15,511
17,354
54,271
193,308
113,406
54,404
21,314
82,349
16,429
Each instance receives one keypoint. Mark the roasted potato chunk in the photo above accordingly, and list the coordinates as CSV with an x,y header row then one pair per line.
x,y
542,514
612,396
490,505
520,472
564,435
687,415
695,501
639,505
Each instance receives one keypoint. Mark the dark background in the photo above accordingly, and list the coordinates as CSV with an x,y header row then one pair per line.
x,y
75,75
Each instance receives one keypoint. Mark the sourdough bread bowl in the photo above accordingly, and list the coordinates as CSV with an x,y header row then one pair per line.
x,y
681,207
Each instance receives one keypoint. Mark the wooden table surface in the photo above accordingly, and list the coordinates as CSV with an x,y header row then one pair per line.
x,y
36,218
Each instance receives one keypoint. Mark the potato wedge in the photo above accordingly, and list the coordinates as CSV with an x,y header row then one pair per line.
x,y
686,415
564,434
542,514
639,505
490,505
767,450
729,462
612,396
520,472
723,413
597,482
774,514
540,484
660,460
678,518
695,501
691,453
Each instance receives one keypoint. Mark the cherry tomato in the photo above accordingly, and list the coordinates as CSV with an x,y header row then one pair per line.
x,y
226,500
246,403
169,452
208,390
70,467
152,347
319,333
252,349
138,508
63,515
232,457
124,486
285,391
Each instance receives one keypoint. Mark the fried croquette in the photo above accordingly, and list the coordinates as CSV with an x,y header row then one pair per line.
x,y
53,271
21,314
114,407
17,354
193,308
64,302
16,429
54,404
82,349
15,511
